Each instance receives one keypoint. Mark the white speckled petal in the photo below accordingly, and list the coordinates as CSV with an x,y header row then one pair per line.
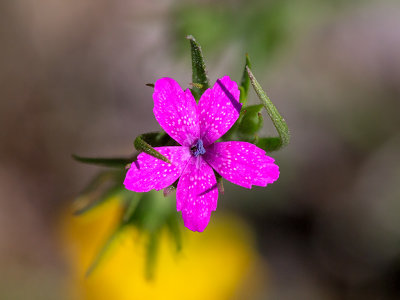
x,y
148,173
242,163
218,109
197,194
176,111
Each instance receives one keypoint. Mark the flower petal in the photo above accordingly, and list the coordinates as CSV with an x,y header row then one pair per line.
x,y
148,172
218,109
197,194
242,163
176,111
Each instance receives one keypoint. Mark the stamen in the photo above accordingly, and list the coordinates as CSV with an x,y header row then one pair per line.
x,y
198,148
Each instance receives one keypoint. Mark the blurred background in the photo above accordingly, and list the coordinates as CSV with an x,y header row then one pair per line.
x,y
72,80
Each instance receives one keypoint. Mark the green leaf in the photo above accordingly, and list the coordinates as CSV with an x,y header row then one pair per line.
x,y
277,120
101,255
141,145
173,227
245,82
151,255
106,162
199,72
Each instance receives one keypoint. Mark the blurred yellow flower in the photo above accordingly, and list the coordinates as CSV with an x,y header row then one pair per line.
x,y
220,263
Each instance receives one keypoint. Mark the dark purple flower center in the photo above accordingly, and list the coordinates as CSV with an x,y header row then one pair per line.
x,y
198,148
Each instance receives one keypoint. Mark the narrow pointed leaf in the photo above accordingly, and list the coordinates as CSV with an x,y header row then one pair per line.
x,y
273,113
199,72
245,82
174,230
142,145
151,255
106,162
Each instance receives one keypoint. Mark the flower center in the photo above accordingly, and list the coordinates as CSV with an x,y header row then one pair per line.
x,y
198,148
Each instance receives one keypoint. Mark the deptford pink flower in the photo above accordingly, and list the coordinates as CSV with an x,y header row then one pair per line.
x,y
196,127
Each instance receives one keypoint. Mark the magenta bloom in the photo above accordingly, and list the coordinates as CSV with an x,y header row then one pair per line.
x,y
196,127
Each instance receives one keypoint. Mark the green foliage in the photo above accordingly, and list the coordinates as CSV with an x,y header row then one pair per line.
x,y
151,254
199,73
250,120
174,230
106,162
273,113
142,146
245,82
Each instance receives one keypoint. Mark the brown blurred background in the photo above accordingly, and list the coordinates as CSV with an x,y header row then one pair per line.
x,y
72,80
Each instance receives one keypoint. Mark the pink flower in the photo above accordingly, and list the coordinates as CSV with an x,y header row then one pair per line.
x,y
196,127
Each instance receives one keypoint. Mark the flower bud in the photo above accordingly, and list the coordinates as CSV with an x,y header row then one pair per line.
x,y
251,122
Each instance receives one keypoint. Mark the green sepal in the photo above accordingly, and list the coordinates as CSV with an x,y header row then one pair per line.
x,y
273,113
142,146
245,83
106,162
199,71
269,144
101,255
